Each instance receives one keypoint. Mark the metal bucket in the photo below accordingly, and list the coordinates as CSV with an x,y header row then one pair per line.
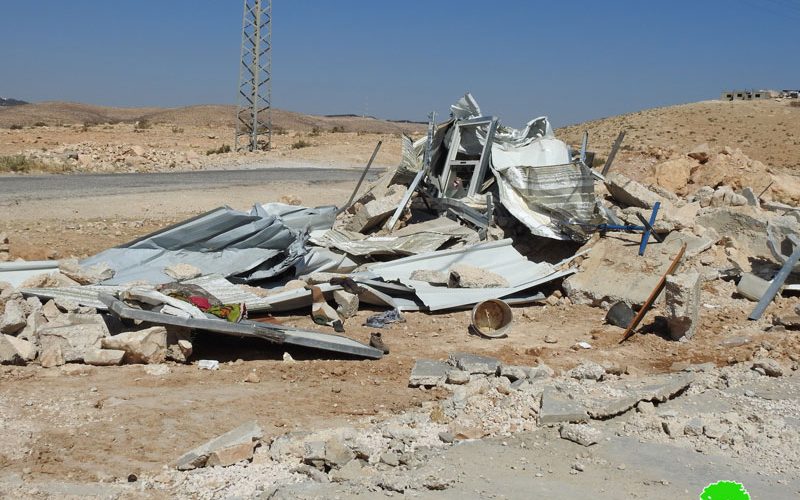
x,y
620,314
491,318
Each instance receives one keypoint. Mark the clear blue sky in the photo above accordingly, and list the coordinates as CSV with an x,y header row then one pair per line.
x,y
570,60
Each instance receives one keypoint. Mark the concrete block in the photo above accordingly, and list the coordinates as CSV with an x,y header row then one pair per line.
x,y
182,271
72,340
228,449
103,357
752,287
630,192
557,407
514,373
467,276
474,363
347,303
682,294
13,319
427,372
540,371
26,350
8,352
51,356
147,346
375,212
580,433
457,377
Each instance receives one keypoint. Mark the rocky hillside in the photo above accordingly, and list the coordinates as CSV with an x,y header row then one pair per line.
x,y
767,131
212,115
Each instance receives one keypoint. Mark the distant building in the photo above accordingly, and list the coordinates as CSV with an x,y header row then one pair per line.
x,y
746,95
790,94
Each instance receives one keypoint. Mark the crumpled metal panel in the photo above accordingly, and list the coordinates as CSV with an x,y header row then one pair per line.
x,y
498,257
243,246
538,183
413,239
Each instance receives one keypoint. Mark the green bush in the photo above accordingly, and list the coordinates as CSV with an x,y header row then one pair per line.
x,y
40,124
301,144
21,163
337,129
15,127
314,132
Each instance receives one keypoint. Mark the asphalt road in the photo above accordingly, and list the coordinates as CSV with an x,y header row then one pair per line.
x,y
40,187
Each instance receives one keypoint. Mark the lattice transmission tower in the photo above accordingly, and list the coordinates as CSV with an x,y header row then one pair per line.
x,y
254,111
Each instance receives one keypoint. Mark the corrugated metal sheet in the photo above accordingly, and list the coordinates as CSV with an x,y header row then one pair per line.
x,y
413,239
17,272
249,246
498,257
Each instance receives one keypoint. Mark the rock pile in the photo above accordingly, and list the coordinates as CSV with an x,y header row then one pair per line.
x,y
60,331
584,406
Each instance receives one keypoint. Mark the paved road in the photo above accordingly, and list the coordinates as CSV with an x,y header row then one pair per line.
x,y
83,185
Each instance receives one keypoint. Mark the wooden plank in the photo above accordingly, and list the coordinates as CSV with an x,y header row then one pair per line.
x,y
654,295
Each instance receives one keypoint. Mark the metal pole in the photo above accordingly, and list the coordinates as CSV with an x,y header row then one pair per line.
x,y
361,179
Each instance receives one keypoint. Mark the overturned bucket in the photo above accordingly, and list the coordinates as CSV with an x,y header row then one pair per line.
x,y
491,318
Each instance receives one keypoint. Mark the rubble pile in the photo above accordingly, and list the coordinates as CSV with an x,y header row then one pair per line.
x,y
586,405
427,236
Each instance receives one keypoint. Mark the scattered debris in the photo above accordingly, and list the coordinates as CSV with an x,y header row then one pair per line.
x,y
232,447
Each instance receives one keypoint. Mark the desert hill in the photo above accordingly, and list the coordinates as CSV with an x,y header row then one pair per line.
x,y
212,115
766,130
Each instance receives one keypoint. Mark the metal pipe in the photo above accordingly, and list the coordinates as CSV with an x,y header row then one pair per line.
x,y
361,179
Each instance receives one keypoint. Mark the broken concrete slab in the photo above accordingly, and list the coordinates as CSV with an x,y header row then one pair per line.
x,y
630,192
768,367
103,357
614,271
232,447
9,355
72,340
13,319
182,271
514,373
625,395
147,346
457,377
427,372
752,287
375,212
466,276
88,275
347,303
682,293
27,350
433,277
582,434
557,407
51,356
474,363
695,245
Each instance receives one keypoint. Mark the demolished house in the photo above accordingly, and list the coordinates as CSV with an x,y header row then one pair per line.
x,y
476,211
